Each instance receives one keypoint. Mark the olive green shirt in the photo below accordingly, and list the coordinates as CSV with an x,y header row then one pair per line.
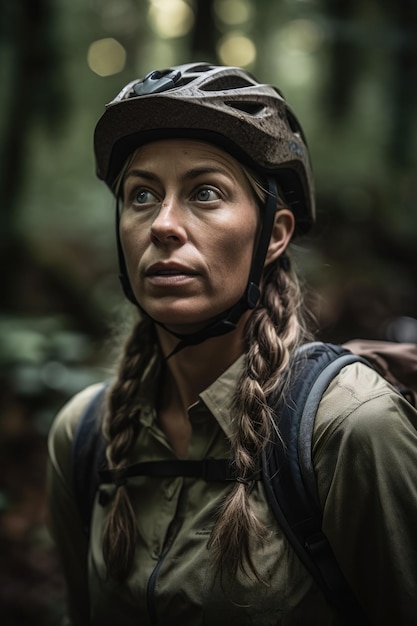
x,y
365,456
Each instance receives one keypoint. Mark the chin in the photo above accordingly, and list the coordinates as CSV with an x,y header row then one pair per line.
x,y
182,322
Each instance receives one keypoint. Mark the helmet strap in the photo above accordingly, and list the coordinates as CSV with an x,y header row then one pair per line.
x,y
227,321
123,277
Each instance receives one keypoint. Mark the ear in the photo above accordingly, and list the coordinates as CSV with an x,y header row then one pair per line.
x,y
282,232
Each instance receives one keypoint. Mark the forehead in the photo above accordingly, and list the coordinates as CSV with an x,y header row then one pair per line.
x,y
183,153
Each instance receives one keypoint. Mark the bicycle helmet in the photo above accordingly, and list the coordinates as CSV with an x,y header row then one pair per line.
x,y
225,106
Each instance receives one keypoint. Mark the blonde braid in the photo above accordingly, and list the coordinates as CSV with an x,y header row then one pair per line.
x,y
274,330
120,431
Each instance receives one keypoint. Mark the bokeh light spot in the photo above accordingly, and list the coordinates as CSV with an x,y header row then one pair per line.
x,y
236,49
170,18
106,57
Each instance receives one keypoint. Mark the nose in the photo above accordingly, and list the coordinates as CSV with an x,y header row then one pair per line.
x,y
168,227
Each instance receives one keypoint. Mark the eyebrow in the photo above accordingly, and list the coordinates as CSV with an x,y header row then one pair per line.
x,y
194,172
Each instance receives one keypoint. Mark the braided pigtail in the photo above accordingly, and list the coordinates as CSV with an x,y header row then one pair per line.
x,y
120,431
274,330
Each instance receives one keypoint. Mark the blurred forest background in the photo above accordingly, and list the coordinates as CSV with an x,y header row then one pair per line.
x,y
349,70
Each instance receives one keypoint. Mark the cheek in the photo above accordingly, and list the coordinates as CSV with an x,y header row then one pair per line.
x,y
132,241
236,248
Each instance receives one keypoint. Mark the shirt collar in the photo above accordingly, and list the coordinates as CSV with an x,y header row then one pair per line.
x,y
219,396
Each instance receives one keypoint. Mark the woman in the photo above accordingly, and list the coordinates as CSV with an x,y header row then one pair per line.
x,y
212,178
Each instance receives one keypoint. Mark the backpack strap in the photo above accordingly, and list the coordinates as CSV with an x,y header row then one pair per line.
x,y
87,455
289,478
208,469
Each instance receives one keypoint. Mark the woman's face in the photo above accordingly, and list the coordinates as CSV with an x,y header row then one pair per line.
x,y
187,229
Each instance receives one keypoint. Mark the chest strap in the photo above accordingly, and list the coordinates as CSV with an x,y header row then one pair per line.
x,y
211,470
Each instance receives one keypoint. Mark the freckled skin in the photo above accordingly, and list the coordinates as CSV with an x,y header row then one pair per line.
x,y
187,228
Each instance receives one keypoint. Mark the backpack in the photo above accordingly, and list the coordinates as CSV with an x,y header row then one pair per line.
x,y
287,469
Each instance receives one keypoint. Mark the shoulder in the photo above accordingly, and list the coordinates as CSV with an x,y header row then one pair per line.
x,y
361,403
363,423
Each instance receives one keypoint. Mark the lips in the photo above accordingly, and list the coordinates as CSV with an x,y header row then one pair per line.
x,y
169,269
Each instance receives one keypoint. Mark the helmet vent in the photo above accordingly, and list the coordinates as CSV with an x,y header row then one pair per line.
x,y
185,80
226,83
252,108
292,123
204,67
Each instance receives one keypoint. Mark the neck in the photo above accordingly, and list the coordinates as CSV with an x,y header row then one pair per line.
x,y
192,369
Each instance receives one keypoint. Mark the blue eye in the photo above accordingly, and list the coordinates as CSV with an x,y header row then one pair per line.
x,y
205,194
144,196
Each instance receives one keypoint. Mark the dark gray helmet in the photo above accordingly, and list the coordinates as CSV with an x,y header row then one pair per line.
x,y
223,105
